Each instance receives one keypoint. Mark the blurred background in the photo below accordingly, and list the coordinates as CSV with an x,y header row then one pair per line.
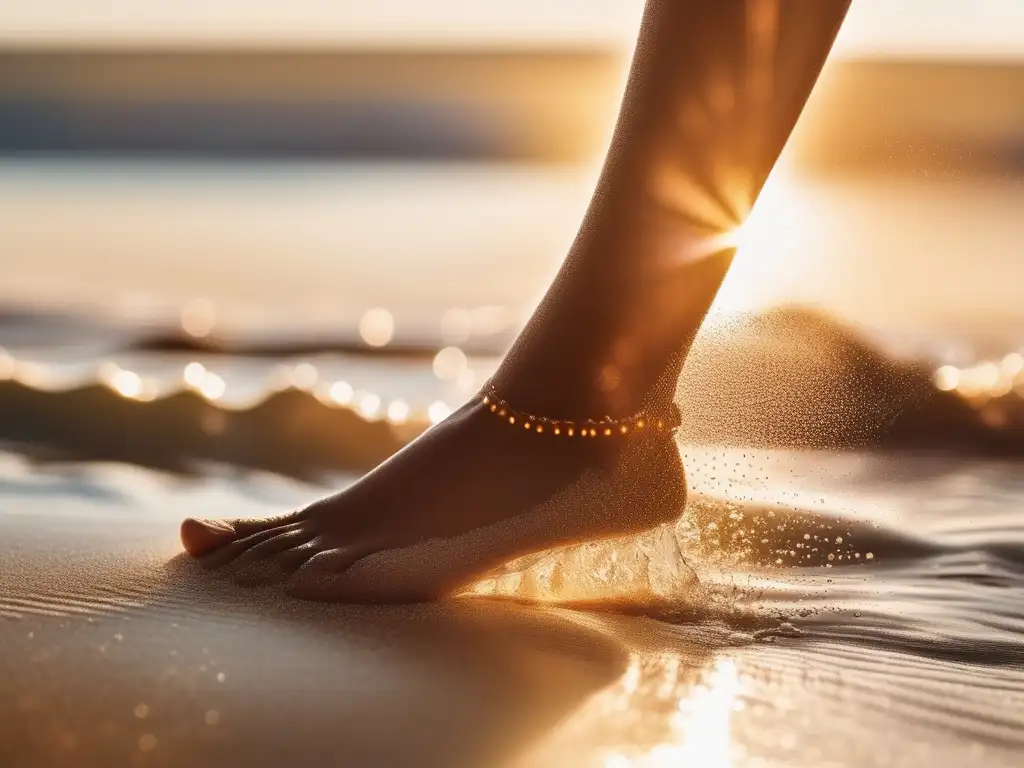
x,y
347,209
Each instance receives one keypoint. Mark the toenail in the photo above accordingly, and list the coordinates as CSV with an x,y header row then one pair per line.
x,y
215,526
200,536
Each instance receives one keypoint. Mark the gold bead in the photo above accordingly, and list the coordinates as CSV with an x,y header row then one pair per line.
x,y
591,427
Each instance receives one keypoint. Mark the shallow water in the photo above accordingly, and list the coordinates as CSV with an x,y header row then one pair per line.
x,y
922,554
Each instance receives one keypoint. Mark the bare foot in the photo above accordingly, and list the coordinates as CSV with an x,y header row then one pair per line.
x,y
612,331
467,496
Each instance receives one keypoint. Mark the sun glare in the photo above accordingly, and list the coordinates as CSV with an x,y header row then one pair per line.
x,y
767,250
695,729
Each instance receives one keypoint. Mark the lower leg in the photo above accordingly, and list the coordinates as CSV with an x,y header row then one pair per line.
x,y
713,94
706,112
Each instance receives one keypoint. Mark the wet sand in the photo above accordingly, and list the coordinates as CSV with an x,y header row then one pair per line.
x,y
115,653
118,651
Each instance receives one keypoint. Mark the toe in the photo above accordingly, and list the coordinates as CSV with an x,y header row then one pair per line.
x,y
292,559
332,561
320,578
266,549
229,552
429,570
201,536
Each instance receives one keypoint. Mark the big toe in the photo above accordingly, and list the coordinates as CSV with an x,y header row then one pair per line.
x,y
201,537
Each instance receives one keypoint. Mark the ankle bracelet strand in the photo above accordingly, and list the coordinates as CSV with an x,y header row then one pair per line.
x,y
607,427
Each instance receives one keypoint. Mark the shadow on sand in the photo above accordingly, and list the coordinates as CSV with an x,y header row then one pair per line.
x,y
187,670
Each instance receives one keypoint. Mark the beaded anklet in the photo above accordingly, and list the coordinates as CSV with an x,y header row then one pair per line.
x,y
636,424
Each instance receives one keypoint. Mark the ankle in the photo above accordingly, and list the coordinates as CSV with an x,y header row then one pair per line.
x,y
596,441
